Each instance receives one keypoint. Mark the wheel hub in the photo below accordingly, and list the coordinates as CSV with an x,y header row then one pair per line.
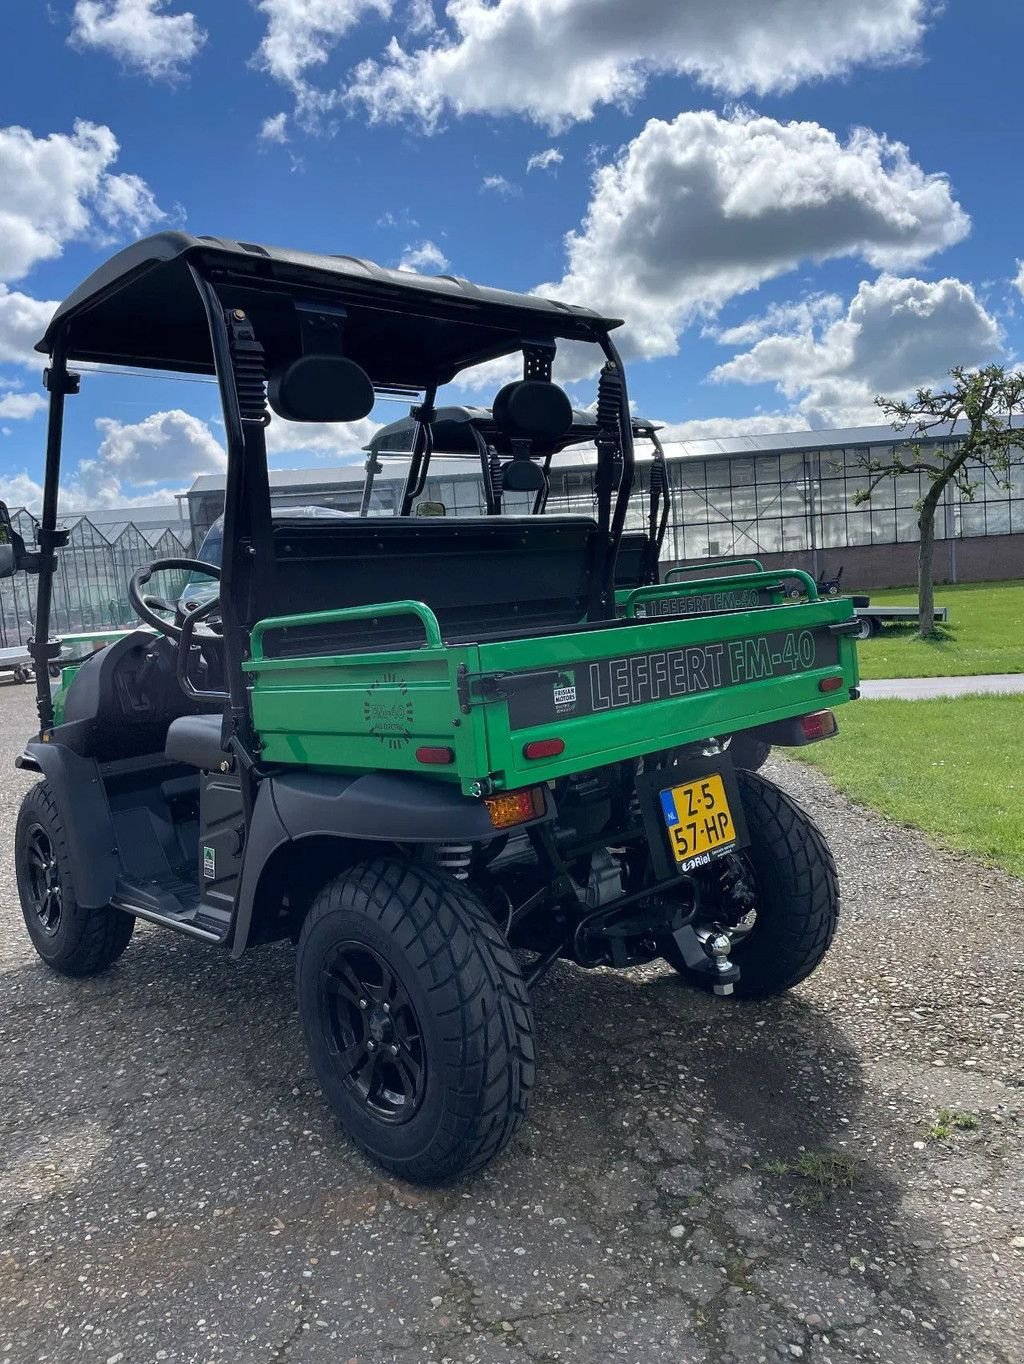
x,y
45,888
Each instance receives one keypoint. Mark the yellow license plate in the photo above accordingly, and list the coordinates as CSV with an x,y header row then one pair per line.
x,y
699,820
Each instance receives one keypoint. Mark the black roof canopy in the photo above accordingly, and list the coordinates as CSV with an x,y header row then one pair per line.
x,y
453,432
142,309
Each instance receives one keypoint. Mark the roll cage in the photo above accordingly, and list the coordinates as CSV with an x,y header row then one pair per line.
x,y
252,316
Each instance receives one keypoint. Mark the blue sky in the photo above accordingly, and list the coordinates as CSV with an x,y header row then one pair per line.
x,y
794,206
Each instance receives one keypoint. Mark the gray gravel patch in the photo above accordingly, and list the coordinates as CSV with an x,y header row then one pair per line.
x,y
699,1180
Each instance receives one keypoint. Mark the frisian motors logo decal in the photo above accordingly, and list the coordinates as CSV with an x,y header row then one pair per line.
x,y
388,711
565,693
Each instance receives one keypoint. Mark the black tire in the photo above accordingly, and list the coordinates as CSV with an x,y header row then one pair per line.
x,y
797,895
70,938
750,754
867,627
460,1021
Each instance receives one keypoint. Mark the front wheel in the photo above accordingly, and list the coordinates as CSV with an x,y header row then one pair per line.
x,y
416,1018
794,893
70,938
867,627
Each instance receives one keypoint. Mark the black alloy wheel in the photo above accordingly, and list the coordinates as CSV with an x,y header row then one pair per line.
x,y
374,1036
46,895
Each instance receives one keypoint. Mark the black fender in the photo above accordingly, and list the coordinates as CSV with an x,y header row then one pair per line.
x,y
378,807
79,792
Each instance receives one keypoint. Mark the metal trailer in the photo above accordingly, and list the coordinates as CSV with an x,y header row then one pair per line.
x,y
18,662
872,618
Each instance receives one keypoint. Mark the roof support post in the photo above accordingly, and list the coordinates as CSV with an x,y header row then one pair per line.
x,y
59,382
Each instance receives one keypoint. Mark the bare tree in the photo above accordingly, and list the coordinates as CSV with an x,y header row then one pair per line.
x,y
984,401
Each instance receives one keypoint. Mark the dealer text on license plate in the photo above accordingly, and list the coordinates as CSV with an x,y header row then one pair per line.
x,y
700,823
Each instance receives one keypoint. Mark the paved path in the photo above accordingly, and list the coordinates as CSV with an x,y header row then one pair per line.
x,y
922,688
700,1181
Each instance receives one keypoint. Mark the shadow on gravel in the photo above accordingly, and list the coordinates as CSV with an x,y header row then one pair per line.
x,y
705,1161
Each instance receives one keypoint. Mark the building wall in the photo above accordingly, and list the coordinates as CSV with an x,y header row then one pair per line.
x,y
872,567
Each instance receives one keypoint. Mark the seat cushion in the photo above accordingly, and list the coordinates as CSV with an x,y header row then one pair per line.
x,y
196,740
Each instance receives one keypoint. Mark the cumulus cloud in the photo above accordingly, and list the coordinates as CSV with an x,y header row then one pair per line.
x,y
140,34
339,441
274,129
544,160
59,188
420,17
22,322
896,335
21,406
699,210
707,428
302,34
557,62
165,447
427,256
1018,281
498,184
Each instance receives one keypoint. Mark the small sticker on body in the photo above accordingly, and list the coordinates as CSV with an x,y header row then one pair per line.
x,y
209,863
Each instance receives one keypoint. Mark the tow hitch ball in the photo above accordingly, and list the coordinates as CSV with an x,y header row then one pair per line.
x,y
706,951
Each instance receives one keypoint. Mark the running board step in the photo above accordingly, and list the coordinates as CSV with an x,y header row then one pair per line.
x,y
173,904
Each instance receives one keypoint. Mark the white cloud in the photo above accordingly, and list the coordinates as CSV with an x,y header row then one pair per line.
x,y
339,441
21,406
497,184
22,322
420,17
164,447
896,335
59,188
760,424
544,160
1018,281
274,129
699,210
427,256
303,33
78,495
557,62
781,318
139,34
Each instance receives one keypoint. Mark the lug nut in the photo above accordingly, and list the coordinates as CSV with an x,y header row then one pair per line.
x,y
371,1045
364,1004
394,1049
387,1008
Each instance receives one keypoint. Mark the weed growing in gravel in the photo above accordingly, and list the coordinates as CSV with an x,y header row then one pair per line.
x,y
822,1173
949,1121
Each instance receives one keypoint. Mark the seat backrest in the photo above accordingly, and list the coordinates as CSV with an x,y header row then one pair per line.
x,y
629,562
481,576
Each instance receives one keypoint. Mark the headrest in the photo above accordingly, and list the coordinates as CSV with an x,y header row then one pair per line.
x,y
534,408
522,476
321,388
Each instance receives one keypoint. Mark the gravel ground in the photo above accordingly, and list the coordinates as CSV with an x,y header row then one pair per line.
x,y
699,1181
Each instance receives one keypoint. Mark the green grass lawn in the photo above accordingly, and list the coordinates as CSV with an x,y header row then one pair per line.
x,y
950,767
985,634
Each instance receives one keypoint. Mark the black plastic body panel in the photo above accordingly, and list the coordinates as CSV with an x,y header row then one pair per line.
x,y
77,787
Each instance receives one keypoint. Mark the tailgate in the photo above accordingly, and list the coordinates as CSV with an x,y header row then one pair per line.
x,y
614,694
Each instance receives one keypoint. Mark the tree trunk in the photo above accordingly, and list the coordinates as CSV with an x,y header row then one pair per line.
x,y
926,549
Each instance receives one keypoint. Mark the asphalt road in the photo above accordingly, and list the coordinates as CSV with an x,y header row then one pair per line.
x,y
699,1181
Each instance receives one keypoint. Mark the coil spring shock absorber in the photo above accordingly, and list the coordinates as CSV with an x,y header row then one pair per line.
x,y
455,859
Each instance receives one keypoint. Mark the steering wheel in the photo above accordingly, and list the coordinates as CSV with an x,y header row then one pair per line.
x,y
147,605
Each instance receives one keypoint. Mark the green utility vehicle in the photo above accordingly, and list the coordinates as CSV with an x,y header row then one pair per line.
x,y
412,744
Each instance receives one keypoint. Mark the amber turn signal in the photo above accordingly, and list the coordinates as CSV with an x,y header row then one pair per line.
x,y
515,807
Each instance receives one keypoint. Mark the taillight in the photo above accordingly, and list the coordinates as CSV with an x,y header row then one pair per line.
x,y
820,724
543,748
438,757
515,807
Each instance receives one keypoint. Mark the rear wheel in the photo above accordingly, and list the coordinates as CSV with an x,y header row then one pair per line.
x,y
867,627
416,1018
749,753
790,878
73,939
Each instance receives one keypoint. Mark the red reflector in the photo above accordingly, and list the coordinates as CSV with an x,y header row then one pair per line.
x,y
543,748
830,684
439,757
820,724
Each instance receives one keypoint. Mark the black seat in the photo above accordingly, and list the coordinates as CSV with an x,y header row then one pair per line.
x,y
483,577
196,740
